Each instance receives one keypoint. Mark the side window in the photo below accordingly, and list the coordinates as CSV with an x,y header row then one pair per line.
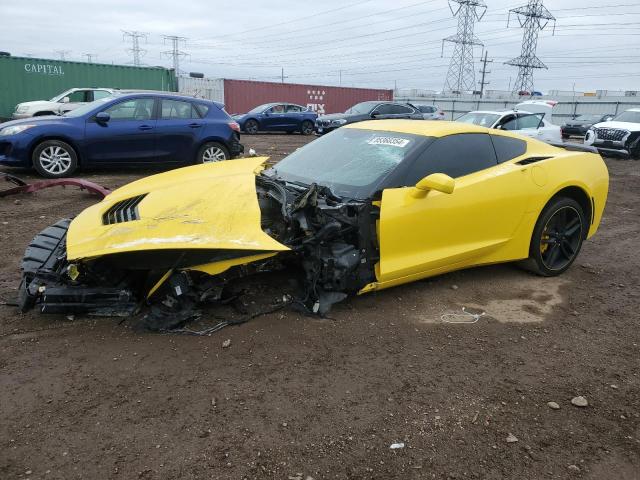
x,y
276,109
78,96
135,109
530,121
509,123
98,94
401,109
384,109
294,109
426,109
508,148
454,155
177,109
202,110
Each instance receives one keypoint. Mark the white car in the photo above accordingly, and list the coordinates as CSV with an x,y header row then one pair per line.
x,y
619,136
531,118
429,112
65,102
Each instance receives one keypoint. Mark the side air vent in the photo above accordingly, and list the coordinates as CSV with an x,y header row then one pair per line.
x,y
123,211
530,160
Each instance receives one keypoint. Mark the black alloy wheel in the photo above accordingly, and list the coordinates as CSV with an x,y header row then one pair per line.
x,y
307,127
251,127
557,238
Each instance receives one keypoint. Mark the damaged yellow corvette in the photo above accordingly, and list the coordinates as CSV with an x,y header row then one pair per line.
x,y
366,207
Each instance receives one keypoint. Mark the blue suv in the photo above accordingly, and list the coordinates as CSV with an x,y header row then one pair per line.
x,y
130,129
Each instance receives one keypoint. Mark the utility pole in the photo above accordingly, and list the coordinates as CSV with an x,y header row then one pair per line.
x,y
484,72
175,53
62,53
533,17
282,75
135,49
89,56
461,74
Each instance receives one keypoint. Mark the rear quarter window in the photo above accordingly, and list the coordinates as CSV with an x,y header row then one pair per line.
x,y
508,148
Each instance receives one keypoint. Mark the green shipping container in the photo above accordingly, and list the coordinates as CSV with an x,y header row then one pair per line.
x,y
26,79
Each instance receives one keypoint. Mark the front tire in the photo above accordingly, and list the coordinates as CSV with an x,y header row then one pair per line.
x,y
557,237
307,127
212,152
54,159
251,127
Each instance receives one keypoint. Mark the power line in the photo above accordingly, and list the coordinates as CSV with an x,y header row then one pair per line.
x,y
175,53
461,74
484,73
533,17
62,53
135,49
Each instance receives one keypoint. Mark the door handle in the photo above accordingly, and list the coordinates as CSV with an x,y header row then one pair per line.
x,y
145,127
195,125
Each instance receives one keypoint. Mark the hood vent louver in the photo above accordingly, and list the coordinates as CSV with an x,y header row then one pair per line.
x,y
123,211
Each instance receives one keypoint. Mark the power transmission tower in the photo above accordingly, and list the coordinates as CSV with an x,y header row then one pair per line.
x,y
135,49
461,74
533,17
62,53
175,54
90,56
484,72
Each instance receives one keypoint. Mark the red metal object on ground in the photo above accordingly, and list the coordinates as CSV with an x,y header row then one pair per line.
x,y
240,96
24,187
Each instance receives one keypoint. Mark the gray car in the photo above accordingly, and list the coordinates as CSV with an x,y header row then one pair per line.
x,y
374,110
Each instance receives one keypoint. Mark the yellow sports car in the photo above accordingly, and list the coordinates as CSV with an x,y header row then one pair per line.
x,y
366,207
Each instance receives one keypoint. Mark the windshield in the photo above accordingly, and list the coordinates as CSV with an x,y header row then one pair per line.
x,y
479,118
352,162
628,116
87,107
59,97
362,108
260,108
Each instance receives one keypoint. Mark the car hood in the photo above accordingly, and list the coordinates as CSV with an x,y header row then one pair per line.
x,y
578,123
633,127
238,116
40,120
211,206
39,104
346,116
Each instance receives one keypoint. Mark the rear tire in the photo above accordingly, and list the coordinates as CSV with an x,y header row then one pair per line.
x,y
557,238
54,159
212,152
251,127
307,127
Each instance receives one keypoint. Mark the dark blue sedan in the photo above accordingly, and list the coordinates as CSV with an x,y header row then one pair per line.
x,y
132,129
278,117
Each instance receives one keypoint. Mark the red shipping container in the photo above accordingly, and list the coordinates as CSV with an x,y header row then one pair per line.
x,y
240,96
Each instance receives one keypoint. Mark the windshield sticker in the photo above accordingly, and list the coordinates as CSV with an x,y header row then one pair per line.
x,y
391,141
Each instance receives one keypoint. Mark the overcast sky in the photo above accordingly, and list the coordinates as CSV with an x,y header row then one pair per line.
x,y
370,43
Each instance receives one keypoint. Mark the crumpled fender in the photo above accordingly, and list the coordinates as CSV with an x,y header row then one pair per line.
x,y
210,206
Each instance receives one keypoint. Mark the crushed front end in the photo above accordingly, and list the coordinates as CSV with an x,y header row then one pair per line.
x,y
169,244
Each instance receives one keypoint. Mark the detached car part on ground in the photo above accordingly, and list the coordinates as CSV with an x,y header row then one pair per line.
x,y
124,130
370,206
619,137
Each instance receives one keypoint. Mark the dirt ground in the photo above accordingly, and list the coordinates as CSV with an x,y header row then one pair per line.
x,y
296,397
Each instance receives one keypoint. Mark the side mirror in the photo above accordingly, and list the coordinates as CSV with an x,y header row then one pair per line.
x,y
102,117
65,100
375,113
436,181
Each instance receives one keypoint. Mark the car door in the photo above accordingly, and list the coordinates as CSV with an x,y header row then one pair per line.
x,y
294,116
128,136
419,236
274,118
529,124
179,129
